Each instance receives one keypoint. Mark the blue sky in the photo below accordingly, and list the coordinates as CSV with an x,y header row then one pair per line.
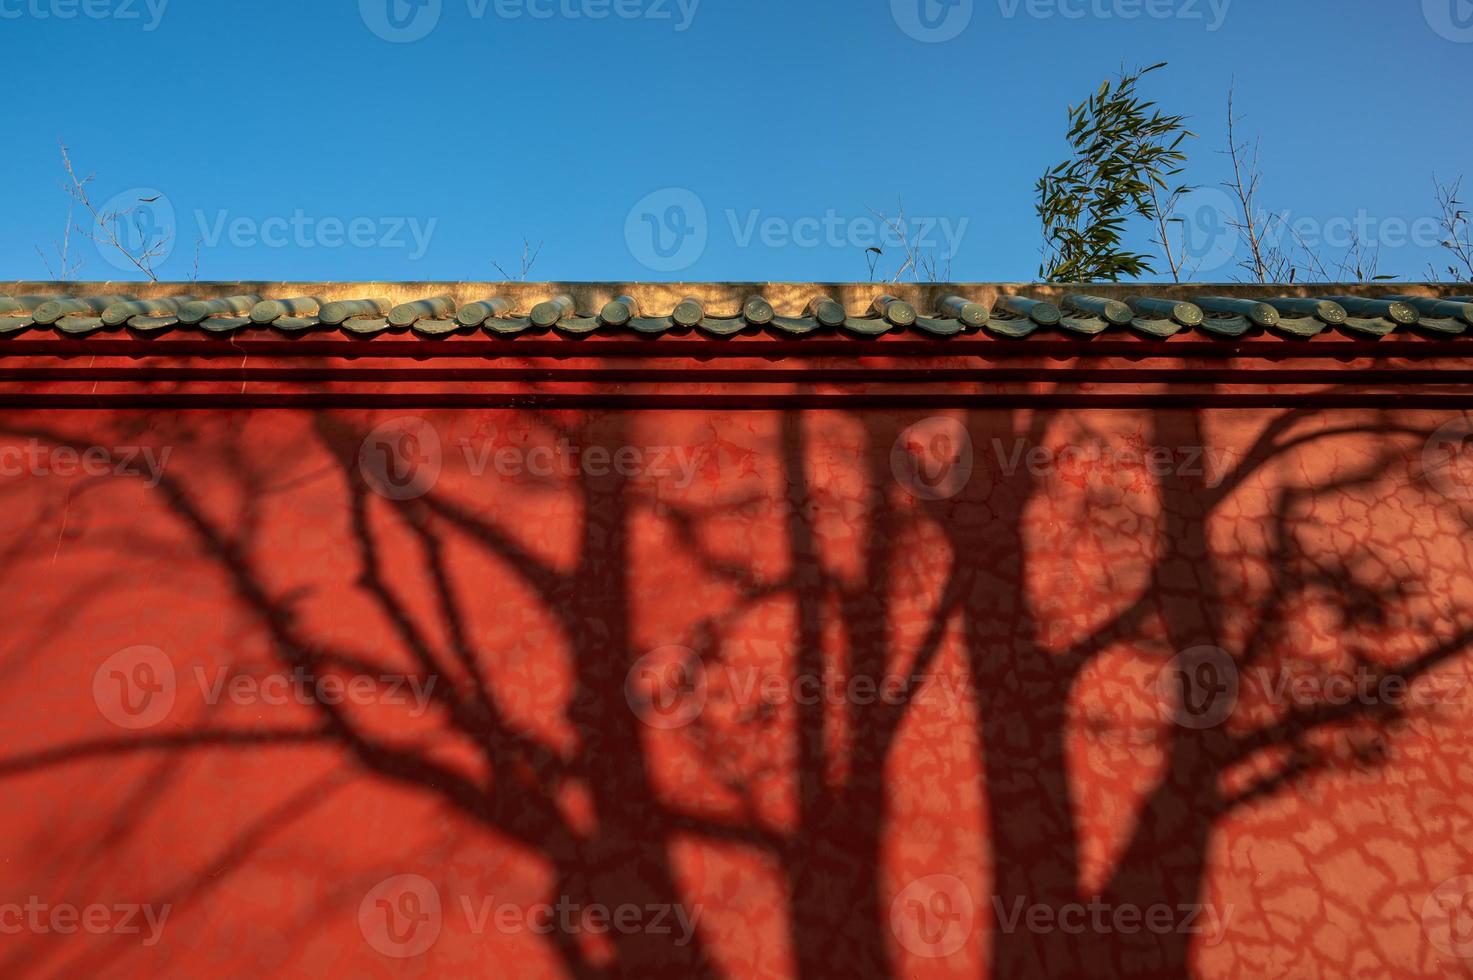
x,y
693,139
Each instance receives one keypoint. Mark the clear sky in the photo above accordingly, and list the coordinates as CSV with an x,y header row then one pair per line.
x,y
693,139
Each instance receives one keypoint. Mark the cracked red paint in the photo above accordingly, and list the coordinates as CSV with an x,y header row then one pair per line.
x,y
1029,807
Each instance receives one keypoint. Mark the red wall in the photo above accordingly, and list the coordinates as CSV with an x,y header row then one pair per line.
x,y
622,715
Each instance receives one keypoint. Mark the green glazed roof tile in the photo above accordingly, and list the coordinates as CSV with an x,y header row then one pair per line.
x,y
1012,316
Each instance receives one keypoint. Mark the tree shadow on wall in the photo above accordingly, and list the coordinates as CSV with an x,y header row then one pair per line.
x,y
514,782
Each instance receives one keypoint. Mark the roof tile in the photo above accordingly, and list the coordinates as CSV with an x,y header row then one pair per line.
x,y
1012,315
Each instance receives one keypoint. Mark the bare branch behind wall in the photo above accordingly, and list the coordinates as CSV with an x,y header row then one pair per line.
x,y
109,227
1261,231
528,260
68,266
1170,236
1455,231
918,261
